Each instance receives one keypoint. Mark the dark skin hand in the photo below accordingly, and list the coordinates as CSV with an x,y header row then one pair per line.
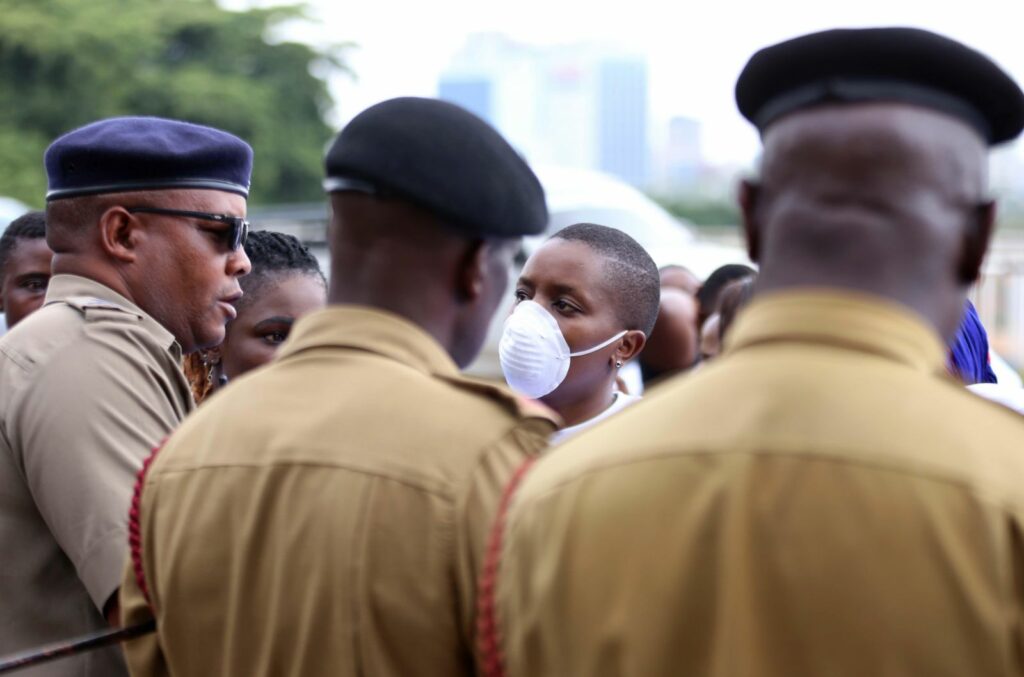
x,y
885,199
570,281
26,276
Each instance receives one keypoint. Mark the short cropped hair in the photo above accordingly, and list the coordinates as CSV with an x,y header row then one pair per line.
x,y
30,226
633,271
272,253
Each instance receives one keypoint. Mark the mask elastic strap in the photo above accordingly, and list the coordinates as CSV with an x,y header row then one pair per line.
x,y
601,345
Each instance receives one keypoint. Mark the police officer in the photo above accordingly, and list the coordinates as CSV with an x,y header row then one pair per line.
x,y
823,498
328,513
145,217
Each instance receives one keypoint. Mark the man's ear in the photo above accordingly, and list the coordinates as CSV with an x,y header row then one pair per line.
x,y
747,196
120,234
470,278
976,238
630,345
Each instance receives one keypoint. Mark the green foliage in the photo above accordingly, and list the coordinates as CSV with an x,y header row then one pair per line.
x,y
700,211
65,63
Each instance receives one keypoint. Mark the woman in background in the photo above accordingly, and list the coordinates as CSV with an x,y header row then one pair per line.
x,y
285,283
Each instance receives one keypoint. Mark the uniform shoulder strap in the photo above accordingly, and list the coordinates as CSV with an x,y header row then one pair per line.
x,y
519,406
95,309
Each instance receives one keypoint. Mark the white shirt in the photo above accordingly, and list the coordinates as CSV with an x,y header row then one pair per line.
x,y
621,401
1008,396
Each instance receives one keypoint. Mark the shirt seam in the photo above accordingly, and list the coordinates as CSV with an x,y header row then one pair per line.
x,y
924,473
447,495
18,359
115,533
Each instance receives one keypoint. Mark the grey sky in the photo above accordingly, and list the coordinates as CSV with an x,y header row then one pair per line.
x,y
694,49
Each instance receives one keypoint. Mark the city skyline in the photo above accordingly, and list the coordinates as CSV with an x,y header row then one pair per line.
x,y
694,54
582,106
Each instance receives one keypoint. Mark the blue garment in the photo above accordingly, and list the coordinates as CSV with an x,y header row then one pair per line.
x,y
969,350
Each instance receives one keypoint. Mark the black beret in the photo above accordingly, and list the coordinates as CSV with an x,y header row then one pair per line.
x,y
144,153
881,64
444,159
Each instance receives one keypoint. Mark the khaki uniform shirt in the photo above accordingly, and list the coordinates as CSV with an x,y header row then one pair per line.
x,y
326,515
822,500
88,385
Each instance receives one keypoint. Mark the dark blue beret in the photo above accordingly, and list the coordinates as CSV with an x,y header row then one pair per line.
x,y
881,64
444,159
143,153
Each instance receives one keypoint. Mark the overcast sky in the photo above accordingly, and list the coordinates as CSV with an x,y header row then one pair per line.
x,y
694,50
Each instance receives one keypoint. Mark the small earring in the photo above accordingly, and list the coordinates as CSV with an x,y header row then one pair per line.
x,y
618,364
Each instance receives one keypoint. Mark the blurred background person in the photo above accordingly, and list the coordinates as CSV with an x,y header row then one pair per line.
x,y
674,343
969,352
585,303
709,292
731,300
24,267
970,360
285,283
674,276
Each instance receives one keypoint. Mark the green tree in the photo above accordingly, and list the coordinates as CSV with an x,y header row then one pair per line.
x,y
64,63
700,211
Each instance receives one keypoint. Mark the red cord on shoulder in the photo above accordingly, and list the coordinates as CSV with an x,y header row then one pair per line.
x,y
488,636
134,524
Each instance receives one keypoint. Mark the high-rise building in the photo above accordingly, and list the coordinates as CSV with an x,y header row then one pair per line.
x,y
583,106
622,119
474,93
683,157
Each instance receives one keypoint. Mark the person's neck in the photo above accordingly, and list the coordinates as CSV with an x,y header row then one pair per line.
x,y
582,410
415,303
82,266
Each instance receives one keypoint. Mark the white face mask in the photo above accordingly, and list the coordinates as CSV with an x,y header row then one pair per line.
x,y
534,355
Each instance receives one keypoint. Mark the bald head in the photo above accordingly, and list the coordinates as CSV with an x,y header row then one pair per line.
x,y
883,198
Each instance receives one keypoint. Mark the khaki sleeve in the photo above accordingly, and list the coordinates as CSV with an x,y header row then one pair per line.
x,y
87,422
143,654
478,506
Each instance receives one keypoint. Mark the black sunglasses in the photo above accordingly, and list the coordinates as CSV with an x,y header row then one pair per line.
x,y
235,236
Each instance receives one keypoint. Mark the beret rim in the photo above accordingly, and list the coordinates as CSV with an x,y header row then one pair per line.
x,y
844,63
136,186
353,182
442,158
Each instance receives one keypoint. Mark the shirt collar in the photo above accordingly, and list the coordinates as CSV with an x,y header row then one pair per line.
x,y
63,288
847,320
372,330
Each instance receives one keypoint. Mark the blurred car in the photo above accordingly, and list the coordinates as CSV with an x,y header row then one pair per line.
x,y
586,196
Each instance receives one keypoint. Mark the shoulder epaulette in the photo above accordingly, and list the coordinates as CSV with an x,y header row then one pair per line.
x,y
521,406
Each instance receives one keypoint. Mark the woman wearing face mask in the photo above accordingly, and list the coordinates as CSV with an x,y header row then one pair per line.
x,y
585,303
285,284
